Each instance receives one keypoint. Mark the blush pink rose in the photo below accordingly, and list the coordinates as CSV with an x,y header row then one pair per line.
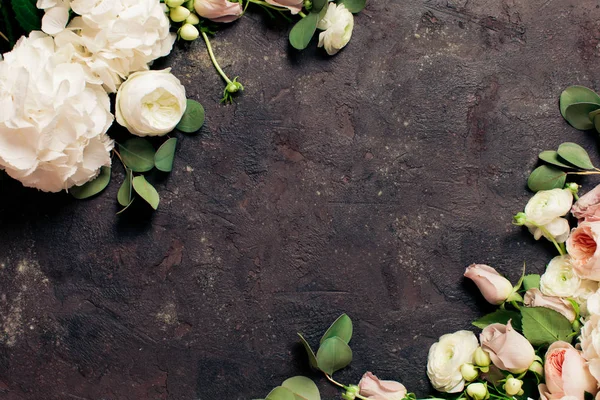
x,y
535,298
493,286
508,349
582,246
588,206
567,374
218,10
373,388
295,6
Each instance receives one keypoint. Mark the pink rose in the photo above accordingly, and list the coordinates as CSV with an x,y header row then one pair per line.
x,y
588,206
583,248
218,10
493,286
295,6
508,349
566,374
373,388
535,298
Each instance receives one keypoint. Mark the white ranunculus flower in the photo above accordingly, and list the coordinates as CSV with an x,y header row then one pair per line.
x,y
560,279
447,356
590,344
545,209
337,25
114,38
150,103
52,124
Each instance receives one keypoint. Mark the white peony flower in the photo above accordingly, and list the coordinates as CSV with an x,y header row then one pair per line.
x,y
150,103
114,38
337,25
590,344
52,125
447,356
560,279
545,209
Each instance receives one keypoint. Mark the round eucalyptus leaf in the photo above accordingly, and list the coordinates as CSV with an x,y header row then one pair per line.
x,y
93,187
281,393
552,157
341,327
578,115
354,6
546,177
317,6
597,123
302,33
193,118
302,387
124,193
575,154
577,94
146,191
333,355
163,159
137,154
312,359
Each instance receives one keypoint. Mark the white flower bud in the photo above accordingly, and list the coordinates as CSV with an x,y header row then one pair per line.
x,y
478,391
512,387
188,32
537,368
192,19
481,358
174,3
469,372
179,14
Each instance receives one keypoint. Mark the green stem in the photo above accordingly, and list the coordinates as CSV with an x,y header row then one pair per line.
x,y
584,173
213,58
330,379
302,14
4,37
552,239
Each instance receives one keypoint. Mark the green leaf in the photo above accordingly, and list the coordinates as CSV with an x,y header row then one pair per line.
x,y
544,326
354,6
146,191
312,359
124,193
126,207
531,281
193,118
551,157
578,115
545,177
163,159
92,187
577,94
341,327
303,31
280,393
27,14
500,317
317,6
597,122
333,355
575,154
302,387
137,154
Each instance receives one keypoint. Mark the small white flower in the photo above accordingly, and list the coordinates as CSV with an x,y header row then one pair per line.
x,y
560,279
337,25
150,103
545,209
447,356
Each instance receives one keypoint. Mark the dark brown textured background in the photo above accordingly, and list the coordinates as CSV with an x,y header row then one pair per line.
x,y
362,183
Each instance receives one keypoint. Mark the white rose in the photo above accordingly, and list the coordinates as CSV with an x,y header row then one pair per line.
x,y
560,279
52,125
114,38
150,103
447,356
337,25
590,344
545,209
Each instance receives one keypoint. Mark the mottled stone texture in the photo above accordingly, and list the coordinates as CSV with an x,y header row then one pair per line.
x,y
362,183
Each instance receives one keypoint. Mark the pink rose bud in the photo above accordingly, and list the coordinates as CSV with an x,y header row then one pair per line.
x,y
566,373
535,298
582,246
218,10
373,388
508,349
493,286
295,6
588,206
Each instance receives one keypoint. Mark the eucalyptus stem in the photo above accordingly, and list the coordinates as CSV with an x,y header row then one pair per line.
x,y
3,36
302,14
213,58
584,173
120,158
547,234
330,379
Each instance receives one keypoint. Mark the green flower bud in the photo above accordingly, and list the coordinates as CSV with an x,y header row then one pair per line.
x,y
469,372
174,3
481,358
520,219
351,392
189,5
188,32
192,19
512,387
537,368
179,14
478,391
233,87
308,4
573,187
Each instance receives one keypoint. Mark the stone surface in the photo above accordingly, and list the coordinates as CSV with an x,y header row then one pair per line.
x,y
363,183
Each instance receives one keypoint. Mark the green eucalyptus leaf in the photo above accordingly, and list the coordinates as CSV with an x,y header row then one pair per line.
x,y
575,154
552,157
312,359
302,387
193,118
318,5
302,33
542,326
137,154
531,281
125,191
146,191
341,327
500,317
94,187
27,15
578,115
126,207
597,123
354,6
546,177
577,94
281,393
333,355
163,159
